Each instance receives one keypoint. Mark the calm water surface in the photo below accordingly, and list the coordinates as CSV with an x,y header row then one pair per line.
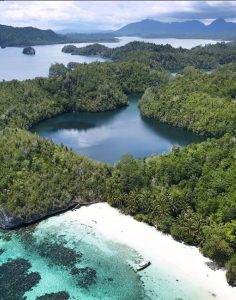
x,y
107,136
15,65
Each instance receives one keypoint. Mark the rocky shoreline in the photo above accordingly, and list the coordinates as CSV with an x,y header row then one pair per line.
x,y
8,221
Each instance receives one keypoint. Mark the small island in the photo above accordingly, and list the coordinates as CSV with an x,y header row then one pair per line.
x,y
29,51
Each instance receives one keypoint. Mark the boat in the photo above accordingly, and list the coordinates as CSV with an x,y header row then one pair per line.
x,y
143,265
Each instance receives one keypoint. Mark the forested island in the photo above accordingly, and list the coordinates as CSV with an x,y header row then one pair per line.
x,y
189,193
29,51
165,56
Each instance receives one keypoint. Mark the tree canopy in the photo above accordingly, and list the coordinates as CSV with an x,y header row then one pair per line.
x,y
38,177
165,56
89,87
189,193
203,103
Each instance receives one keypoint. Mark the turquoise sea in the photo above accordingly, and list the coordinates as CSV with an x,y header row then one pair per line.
x,y
62,255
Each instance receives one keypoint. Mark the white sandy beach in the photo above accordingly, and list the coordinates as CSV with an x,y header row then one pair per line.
x,y
187,262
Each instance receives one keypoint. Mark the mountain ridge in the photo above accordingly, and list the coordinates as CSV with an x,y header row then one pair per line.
x,y
147,28
219,28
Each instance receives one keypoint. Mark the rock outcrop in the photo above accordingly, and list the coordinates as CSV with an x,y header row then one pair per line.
x,y
8,221
29,51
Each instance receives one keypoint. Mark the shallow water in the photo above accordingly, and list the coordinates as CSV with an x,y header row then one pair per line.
x,y
109,276
92,267
107,136
15,65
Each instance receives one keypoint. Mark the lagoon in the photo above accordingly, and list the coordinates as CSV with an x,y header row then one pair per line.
x,y
106,136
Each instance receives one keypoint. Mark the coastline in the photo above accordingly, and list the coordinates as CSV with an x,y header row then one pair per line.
x,y
9,222
186,263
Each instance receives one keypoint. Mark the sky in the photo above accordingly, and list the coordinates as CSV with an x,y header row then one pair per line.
x,y
91,16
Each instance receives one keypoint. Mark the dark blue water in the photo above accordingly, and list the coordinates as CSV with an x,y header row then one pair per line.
x,y
107,136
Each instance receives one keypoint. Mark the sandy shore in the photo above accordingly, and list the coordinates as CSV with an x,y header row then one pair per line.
x,y
187,262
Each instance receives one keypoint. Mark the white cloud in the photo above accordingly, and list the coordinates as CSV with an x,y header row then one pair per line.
x,y
107,14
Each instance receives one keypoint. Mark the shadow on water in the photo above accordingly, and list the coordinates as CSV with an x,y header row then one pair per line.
x,y
78,120
176,135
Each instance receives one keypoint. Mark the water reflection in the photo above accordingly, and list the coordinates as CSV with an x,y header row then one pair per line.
x,y
172,133
106,136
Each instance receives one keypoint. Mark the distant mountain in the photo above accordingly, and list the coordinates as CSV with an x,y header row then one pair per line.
x,y
30,36
188,29
220,25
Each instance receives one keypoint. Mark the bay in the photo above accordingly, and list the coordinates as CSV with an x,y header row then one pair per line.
x,y
15,65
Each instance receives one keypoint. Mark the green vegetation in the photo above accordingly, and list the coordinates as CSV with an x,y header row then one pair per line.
x,y
165,56
189,193
38,177
94,49
203,103
28,36
86,88
31,191
196,185
89,87
231,273
128,77
24,103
